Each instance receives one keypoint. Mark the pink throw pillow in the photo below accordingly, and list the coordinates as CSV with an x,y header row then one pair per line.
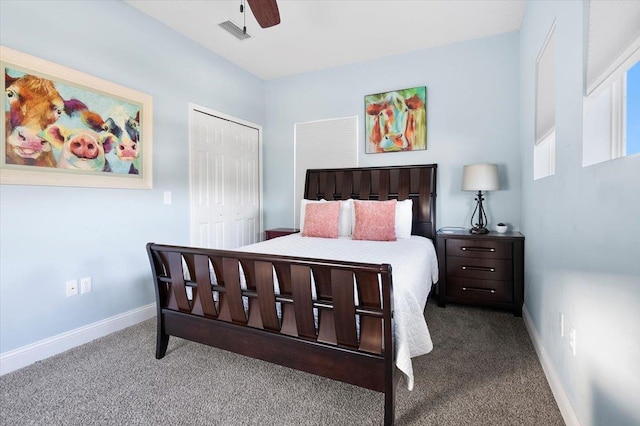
x,y
321,220
375,220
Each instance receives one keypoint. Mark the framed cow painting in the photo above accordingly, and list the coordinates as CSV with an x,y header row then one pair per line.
x,y
396,121
66,128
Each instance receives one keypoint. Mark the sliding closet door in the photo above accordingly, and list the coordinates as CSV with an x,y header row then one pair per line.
x,y
225,181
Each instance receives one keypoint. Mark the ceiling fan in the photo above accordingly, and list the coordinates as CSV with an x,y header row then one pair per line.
x,y
265,11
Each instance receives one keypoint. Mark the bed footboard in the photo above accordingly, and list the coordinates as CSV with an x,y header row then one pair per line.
x,y
330,318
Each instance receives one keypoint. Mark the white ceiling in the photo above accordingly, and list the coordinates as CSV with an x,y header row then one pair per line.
x,y
315,34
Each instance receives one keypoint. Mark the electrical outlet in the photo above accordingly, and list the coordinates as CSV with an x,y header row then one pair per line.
x,y
561,324
572,339
72,288
85,285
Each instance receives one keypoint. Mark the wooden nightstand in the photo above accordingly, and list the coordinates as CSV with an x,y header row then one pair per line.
x,y
279,232
484,270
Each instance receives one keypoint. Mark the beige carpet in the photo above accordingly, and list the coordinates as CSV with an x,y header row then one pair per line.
x,y
483,371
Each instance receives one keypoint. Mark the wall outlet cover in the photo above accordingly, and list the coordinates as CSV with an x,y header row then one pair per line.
x,y
72,287
85,285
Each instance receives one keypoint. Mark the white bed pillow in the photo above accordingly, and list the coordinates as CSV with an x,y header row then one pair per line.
x,y
404,217
345,228
346,211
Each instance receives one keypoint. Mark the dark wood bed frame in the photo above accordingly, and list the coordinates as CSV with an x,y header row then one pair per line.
x,y
333,349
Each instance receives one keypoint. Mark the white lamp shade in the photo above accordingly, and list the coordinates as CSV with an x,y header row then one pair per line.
x,y
480,177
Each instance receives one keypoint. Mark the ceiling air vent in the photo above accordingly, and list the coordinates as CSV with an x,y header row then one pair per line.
x,y
234,30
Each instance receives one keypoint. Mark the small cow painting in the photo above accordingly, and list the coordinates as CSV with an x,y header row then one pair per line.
x,y
396,121
63,127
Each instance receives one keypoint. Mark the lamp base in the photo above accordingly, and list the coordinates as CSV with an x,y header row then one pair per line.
x,y
476,230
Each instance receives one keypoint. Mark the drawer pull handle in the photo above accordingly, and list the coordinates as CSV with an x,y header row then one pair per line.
x,y
478,268
483,249
483,290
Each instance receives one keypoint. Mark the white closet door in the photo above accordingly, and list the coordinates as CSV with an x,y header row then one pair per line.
x,y
225,182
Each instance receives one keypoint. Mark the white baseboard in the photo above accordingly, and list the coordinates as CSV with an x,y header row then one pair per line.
x,y
26,355
566,409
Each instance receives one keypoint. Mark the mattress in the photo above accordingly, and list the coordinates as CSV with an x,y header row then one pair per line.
x,y
414,267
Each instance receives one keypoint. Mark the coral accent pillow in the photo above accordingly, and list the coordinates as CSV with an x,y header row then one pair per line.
x,y
321,219
375,221
303,207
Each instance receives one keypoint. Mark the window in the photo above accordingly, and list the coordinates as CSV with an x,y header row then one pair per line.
x,y
544,157
632,140
611,106
322,144
544,150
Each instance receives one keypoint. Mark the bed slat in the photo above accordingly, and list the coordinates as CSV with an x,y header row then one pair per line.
x,y
425,189
347,185
231,307
255,317
370,328
384,180
326,320
404,184
327,327
283,274
203,303
196,304
177,282
344,307
170,297
266,297
302,303
322,280
365,184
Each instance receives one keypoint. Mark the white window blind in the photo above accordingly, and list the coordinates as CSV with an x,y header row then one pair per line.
x,y
323,144
546,88
613,41
544,157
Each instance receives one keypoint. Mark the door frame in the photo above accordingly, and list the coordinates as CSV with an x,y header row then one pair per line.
x,y
199,108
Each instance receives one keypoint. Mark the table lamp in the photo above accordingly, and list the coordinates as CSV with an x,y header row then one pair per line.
x,y
480,177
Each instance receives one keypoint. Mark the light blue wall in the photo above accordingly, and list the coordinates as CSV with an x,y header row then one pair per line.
x,y
49,235
582,225
472,117
583,237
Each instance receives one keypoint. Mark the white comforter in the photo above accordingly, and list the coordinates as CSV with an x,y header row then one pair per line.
x,y
414,268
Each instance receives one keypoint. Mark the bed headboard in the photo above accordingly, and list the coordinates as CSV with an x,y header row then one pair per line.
x,y
381,183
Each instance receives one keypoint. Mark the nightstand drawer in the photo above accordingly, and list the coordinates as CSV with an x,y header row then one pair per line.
x,y
489,249
484,290
484,269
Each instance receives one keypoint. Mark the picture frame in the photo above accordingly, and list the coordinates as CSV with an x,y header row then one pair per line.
x,y
396,121
63,127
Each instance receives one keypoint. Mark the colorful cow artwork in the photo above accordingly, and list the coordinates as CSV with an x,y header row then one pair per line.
x,y
33,104
125,155
80,149
396,121
55,124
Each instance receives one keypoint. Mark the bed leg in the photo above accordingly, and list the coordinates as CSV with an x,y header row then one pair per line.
x,y
390,398
389,408
162,340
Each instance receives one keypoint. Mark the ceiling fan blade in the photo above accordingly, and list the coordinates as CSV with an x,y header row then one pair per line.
x,y
265,11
